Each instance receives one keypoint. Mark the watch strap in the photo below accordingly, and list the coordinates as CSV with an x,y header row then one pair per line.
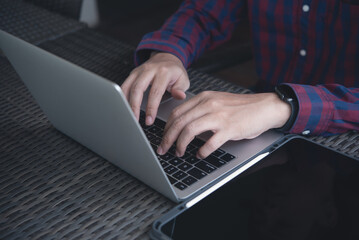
x,y
286,94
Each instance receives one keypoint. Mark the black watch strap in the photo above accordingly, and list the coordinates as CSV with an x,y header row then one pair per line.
x,y
286,94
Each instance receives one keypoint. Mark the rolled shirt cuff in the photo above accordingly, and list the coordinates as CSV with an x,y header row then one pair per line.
x,y
315,110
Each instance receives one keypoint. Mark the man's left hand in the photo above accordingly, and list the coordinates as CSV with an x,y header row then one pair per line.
x,y
229,116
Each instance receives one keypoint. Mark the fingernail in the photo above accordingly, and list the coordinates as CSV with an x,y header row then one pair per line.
x,y
149,120
160,150
178,154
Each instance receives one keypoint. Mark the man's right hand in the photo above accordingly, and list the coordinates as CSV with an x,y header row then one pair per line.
x,y
163,71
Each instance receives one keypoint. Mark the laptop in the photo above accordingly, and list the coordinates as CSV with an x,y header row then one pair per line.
x,y
94,112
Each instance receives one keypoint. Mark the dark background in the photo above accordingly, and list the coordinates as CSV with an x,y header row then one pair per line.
x,y
129,20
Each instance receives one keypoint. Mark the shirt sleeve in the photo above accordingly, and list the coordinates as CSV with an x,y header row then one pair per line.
x,y
196,26
325,109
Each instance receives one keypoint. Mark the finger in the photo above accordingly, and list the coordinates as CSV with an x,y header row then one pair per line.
x,y
205,123
178,90
212,144
158,88
138,87
181,110
126,85
176,126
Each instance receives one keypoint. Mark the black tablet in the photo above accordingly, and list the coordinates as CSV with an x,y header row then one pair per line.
x,y
300,191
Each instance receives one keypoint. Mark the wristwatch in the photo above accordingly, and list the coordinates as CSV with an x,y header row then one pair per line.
x,y
286,94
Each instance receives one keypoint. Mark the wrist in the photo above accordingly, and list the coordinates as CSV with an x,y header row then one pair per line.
x,y
287,97
165,56
283,112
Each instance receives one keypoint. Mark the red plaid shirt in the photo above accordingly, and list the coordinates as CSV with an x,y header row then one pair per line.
x,y
310,45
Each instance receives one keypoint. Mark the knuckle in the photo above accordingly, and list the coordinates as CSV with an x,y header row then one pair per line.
x,y
146,67
175,113
135,91
163,69
203,94
212,144
180,146
134,71
177,124
151,109
212,103
137,88
166,140
189,129
155,92
134,108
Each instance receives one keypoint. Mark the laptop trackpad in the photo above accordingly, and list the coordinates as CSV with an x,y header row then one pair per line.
x,y
169,104
165,97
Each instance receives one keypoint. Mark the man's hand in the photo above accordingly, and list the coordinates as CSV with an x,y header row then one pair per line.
x,y
163,71
229,116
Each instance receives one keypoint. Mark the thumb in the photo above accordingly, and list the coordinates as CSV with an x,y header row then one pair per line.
x,y
179,88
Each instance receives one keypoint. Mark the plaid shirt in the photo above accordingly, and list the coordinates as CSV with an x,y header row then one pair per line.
x,y
296,43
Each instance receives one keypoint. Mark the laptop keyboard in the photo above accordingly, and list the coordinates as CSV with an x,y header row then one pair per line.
x,y
186,170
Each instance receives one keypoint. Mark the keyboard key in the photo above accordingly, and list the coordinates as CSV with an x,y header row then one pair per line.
x,y
160,123
194,151
190,147
172,150
145,127
195,172
167,156
180,186
171,179
218,153
186,155
170,170
156,130
142,117
164,164
154,147
189,180
142,114
197,142
215,161
192,160
179,175
150,136
156,141
175,161
228,157
185,167
208,168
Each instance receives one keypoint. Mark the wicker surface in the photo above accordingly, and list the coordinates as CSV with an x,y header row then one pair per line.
x,y
32,23
69,8
53,188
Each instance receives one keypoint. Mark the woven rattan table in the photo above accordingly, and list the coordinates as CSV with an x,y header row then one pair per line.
x,y
52,187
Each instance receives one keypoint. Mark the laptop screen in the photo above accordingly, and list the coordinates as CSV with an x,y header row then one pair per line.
x,y
300,191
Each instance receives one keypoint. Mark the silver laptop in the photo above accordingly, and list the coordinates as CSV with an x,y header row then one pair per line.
x,y
93,111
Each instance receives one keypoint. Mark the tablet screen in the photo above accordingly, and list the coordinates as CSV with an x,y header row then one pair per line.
x,y
300,191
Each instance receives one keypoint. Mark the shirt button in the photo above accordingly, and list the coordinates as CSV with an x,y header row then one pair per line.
x,y
305,8
306,132
302,52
